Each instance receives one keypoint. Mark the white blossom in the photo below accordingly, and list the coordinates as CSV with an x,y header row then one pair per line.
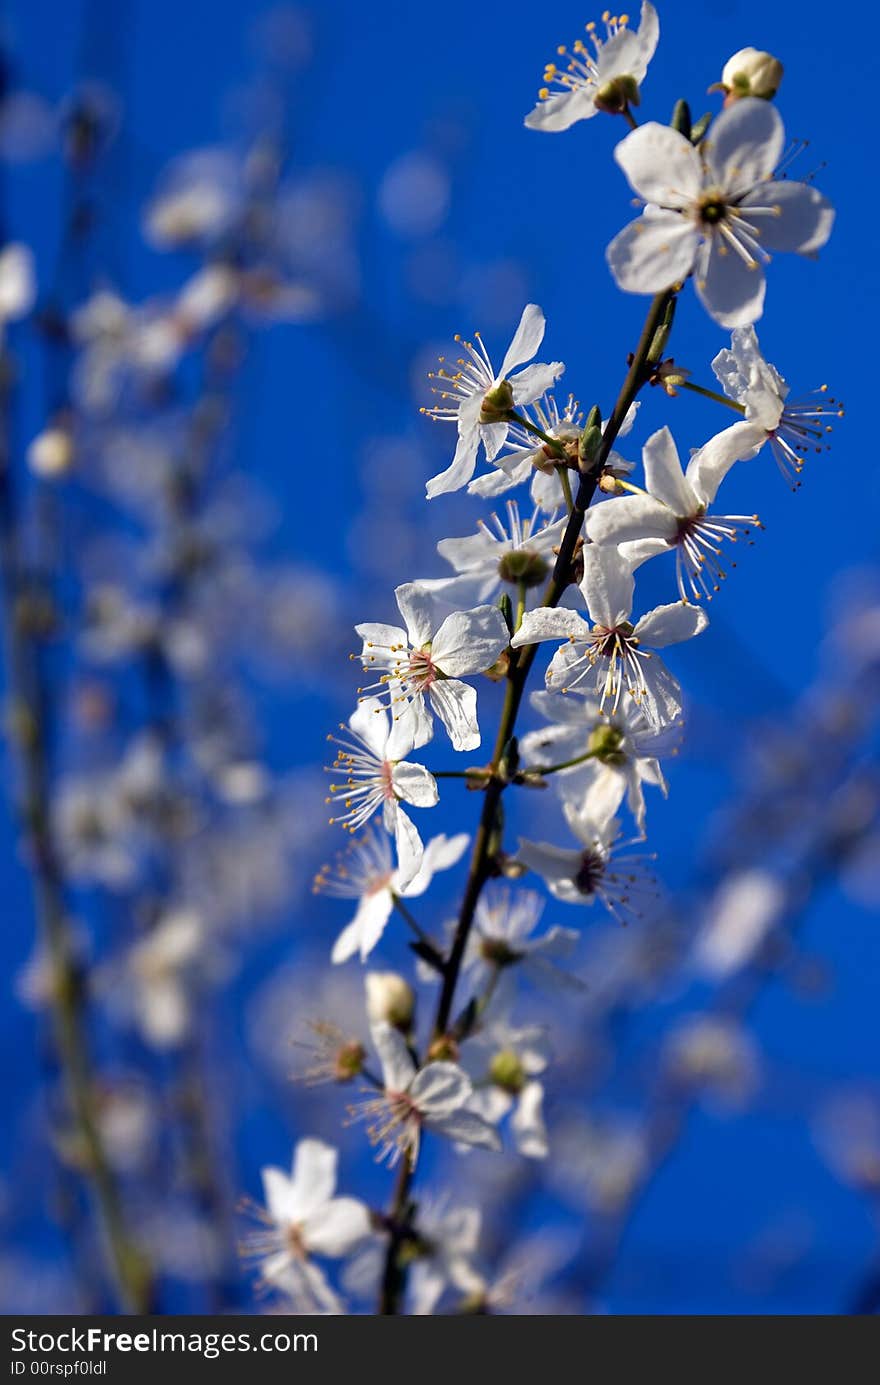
x,y
424,663
526,455
305,1219
792,427
373,781
447,1241
624,754
463,392
596,869
588,82
505,1061
671,513
366,872
500,938
18,287
414,1099
715,211
494,559
612,656
157,968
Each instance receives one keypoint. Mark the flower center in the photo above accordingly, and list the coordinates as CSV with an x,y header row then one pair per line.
x,y
422,671
589,872
608,642
712,210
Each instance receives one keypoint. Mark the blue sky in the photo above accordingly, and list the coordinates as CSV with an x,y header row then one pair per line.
x,y
528,218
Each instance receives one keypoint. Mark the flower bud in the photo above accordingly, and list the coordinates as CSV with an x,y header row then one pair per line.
x,y
590,439
498,403
51,453
390,999
618,94
751,73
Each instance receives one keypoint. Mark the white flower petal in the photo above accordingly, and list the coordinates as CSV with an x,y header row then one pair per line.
x,y
744,144
314,1176
398,1068
467,1128
730,289
469,641
440,1088
803,218
664,477
456,705
561,110
366,928
708,467
460,469
280,1197
671,624
380,636
527,1122
549,623
607,585
660,165
652,253
337,1227
661,702
630,517
411,727
526,340
415,606
535,380
414,784
410,851
371,722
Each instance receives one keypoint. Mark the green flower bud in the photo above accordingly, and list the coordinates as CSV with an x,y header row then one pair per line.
x,y
590,439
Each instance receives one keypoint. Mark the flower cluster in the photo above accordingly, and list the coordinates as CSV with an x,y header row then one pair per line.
x,y
563,572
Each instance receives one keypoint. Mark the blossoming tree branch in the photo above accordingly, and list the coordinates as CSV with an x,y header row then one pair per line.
x,y
556,572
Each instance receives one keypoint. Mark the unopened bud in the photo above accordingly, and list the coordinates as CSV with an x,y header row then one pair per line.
x,y
498,403
51,453
615,96
609,484
390,999
671,376
590,439
751,73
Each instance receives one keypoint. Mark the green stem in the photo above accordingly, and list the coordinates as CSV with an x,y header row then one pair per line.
x,y
563,764
533,428
711,394
482,863
565,482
